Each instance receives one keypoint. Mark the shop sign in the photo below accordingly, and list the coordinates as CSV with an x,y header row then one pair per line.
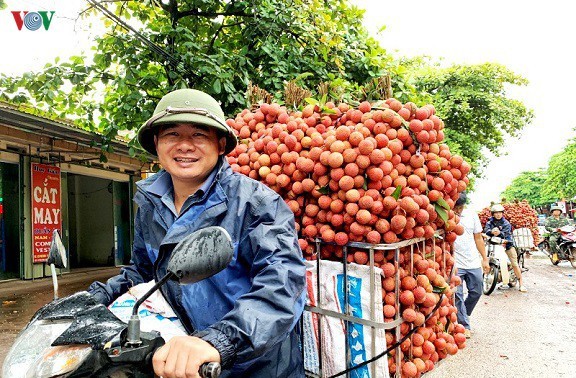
x,y
46,208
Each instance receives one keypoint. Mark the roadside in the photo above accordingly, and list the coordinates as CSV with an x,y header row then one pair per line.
x,y
522,334
514,334
20,299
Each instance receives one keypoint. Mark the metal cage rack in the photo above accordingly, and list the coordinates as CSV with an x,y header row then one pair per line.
x,y
349,319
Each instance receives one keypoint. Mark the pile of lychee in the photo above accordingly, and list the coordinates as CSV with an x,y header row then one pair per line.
x,y
373,174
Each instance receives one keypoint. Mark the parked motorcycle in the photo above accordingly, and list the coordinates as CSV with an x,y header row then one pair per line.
x,y
501,270
75,337
566,246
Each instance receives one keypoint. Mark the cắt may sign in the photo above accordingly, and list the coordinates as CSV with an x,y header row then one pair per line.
x,y
46,209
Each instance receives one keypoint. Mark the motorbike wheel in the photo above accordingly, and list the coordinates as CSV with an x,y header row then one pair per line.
x,y
490,280
521,261
572,256
550,254
513,279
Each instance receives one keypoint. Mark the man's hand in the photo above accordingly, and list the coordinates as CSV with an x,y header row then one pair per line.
x,y
495,231
485,264
182,357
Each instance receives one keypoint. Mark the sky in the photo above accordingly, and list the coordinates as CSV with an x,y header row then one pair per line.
x,y
531,38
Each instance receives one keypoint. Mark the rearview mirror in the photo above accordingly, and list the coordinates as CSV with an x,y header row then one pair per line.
x,y
57,254
201,254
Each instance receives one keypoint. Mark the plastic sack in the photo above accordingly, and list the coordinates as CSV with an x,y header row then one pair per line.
x,y
327,338
155,313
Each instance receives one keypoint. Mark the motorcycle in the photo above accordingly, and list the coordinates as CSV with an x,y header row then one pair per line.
x,y
501,270
76,337
566,246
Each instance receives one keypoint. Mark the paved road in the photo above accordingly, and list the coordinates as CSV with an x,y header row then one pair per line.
x,y
522,335
19,300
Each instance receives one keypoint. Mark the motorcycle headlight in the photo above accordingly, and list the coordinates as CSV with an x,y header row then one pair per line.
x,y
32,355
60,360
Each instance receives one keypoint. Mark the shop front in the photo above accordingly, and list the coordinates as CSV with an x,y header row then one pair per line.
x,y
52,178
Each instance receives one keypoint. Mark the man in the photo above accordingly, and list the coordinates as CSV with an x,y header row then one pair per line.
x,y
554,222
246,316
471,260
497,225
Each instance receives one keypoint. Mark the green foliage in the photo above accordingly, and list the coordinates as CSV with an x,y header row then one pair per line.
x,y
561,181
215,46
529,186
222,46
473,104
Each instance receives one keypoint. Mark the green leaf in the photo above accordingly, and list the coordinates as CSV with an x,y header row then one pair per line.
x,y
312,101
438,289
443,203
217,86
397,192
324,189
442,213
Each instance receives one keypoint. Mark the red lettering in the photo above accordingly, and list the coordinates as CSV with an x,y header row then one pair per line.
x,y
19,18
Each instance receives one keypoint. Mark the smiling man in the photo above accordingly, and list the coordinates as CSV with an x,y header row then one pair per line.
x,y
246,316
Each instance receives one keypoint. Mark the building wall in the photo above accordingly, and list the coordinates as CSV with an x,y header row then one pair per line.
x,y
98,215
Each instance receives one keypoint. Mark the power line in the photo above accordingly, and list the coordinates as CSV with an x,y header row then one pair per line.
x,y
151,45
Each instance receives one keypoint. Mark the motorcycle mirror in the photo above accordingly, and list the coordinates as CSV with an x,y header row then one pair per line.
x,y
56,259
201,254
57,254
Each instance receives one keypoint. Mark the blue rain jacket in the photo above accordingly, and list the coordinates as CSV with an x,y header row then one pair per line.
x,y
505,230
250,310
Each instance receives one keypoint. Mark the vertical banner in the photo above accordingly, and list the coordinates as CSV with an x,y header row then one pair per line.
x,y
46,209
562,205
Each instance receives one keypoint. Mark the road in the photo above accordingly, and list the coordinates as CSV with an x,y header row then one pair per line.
x,y
514,334
523,335
19,300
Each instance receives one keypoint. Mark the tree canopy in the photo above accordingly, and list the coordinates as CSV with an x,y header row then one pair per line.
x,y
529,186
560,181
223,46
215,46
550,184
473,103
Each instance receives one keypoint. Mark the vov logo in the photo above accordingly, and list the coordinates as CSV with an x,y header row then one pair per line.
x,y
33,20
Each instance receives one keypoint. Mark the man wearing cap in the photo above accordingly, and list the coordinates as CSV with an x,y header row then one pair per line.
x,y
553,223
499,226
471,259
246,316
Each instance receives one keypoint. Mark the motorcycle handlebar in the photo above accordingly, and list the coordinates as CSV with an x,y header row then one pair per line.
x,y
210,370
207,370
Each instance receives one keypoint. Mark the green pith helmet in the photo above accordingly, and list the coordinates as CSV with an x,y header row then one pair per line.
x,y
555,207
186,106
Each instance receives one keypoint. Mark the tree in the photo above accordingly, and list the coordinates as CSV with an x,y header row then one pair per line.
x,y
529,186
561,181
216,46
222,46
473,104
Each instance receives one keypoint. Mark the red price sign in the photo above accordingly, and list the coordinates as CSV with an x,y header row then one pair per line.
x,y
46,208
